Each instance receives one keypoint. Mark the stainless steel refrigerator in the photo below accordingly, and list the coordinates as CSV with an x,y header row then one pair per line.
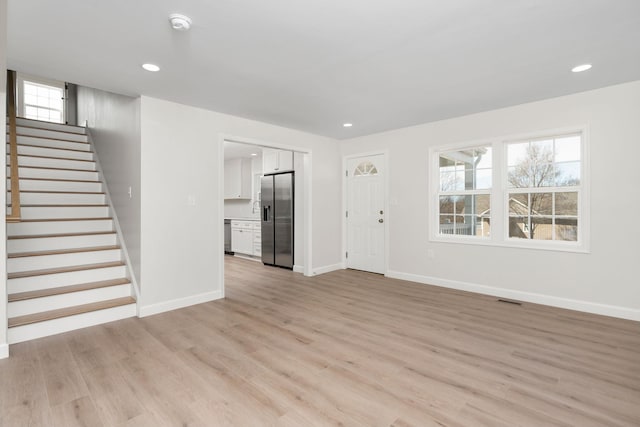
x,y
277,219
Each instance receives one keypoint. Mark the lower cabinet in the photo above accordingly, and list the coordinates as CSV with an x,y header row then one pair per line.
x,y
246,237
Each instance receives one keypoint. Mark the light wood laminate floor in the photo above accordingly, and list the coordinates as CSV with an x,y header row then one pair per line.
x,y
345,348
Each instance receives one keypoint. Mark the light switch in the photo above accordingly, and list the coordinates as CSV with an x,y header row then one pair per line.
x,y
130,193
191,200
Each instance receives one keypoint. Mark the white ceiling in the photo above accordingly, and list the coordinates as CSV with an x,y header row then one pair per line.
x,y
313,65
234,150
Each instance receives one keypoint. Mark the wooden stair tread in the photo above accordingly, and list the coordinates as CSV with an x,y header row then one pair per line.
x,y
69,311
58,179
42,121
63,251
51,138
57,270
44,236
56,158
75,205
60,192
51,130
56,169
53,148
66,219
22,296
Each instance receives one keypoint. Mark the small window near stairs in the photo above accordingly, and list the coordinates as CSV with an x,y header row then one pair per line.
x,y
41,99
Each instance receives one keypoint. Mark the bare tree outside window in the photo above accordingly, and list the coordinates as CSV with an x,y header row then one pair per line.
x,y
550,165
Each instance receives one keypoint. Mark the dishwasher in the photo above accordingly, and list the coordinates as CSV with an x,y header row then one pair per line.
x,y
227,237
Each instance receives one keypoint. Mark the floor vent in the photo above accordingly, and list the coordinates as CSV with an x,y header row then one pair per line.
x,y
510,302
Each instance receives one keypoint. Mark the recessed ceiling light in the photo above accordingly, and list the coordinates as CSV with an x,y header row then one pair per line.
x,y
581,68
180,22
347,125
254,154
151,67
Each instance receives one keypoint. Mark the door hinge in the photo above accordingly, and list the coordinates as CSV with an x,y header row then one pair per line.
x,y
346,173
346,254
346,214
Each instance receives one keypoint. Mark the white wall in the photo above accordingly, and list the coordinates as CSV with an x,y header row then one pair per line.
x,y
114,122
181,244
4,348
603,281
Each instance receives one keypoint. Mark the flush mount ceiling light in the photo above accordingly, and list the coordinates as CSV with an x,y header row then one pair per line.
x,y
581,68
151,67
180,22
347,125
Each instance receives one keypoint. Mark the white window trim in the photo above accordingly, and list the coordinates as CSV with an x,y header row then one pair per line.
x,y
499,194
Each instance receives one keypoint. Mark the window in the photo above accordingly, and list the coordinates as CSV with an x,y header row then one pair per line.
x,y
543,182
464,192
40,99
525,192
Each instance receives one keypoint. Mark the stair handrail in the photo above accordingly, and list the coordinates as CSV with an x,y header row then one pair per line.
x,y
13,148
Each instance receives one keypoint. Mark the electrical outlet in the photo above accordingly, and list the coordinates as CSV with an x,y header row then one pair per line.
x,y
191,200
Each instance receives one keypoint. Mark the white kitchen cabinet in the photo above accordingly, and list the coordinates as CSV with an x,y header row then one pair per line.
x,y
237,179
276,160
241,239
246,237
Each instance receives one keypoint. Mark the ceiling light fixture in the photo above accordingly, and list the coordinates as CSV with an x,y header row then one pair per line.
x,y
581,68
180,22
151,67
347,125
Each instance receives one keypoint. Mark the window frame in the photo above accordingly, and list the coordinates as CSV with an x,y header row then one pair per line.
x,y
20,81
471,192
499,234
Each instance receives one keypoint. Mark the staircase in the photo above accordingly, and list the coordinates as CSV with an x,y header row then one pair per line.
x,y
65,267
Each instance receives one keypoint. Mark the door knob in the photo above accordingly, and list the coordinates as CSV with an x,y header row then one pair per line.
x,y
381,220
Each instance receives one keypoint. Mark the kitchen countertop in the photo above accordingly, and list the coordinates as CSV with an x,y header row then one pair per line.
x,y
242,219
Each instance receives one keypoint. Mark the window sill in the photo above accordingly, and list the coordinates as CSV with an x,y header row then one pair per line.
x,y
526,244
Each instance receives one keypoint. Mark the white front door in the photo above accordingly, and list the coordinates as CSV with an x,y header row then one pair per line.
x,y
365,214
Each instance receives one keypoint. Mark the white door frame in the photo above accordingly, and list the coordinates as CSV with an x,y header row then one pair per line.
x,y
307,268
345,195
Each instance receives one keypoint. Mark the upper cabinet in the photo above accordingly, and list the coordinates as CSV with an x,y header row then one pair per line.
x,y
237,179
276,160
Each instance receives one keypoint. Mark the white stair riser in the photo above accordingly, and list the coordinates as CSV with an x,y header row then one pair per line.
x,y
25,172
46,133
60,198
47,281
58,227
46,125
55,243
40,185
29,263
54,163
53,152
50,212
54,302
51,143
70,323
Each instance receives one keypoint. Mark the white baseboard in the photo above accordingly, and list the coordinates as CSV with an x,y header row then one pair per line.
x,y
298,269
4,351
571,304
161,307
328,268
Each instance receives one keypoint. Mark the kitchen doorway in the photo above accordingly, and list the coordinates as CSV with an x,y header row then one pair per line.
x,y
239,190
